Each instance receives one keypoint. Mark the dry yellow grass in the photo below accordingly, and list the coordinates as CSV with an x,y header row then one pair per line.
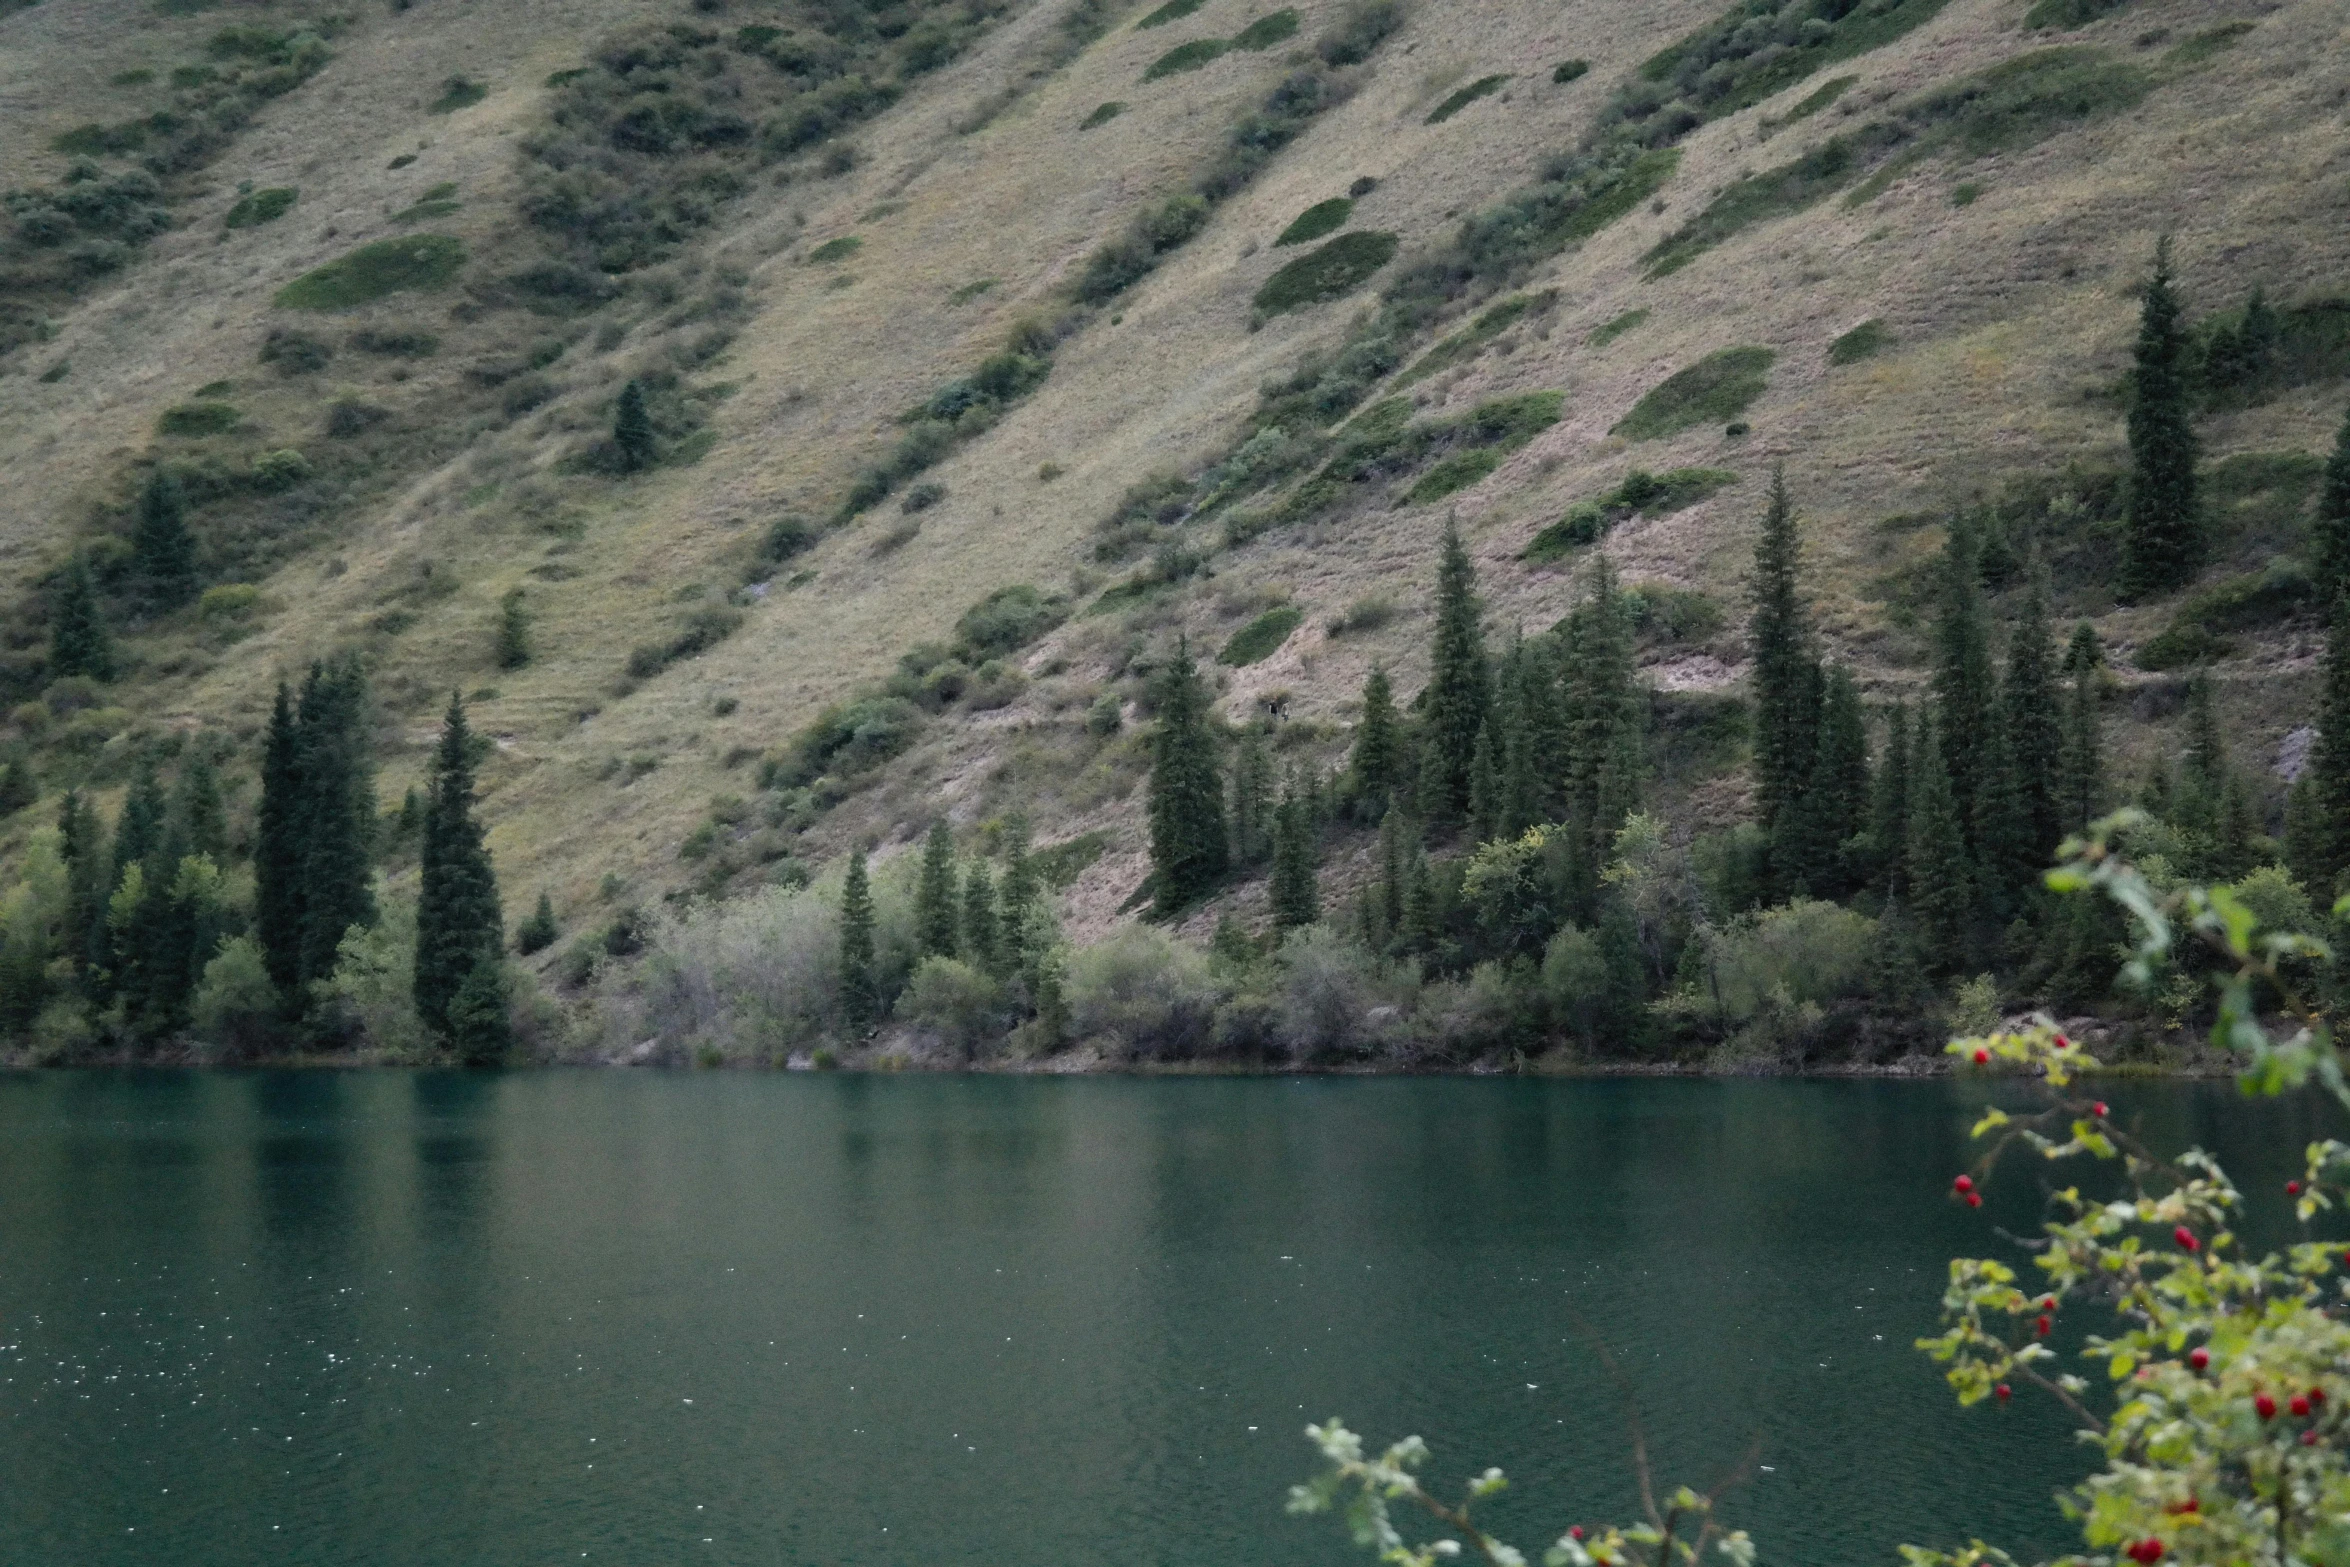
x,y
2003,310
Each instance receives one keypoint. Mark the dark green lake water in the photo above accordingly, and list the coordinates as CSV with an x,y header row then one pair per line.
x,y
361,1318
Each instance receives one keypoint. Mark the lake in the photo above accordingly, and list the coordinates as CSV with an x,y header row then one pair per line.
x,y
560,1317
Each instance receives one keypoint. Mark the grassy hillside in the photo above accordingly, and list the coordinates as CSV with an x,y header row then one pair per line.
x,y
922,319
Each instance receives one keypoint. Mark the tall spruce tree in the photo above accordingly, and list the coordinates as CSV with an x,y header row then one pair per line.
x,y
2035,722
481,1028
279,849
1294,893
337,815
1017,895
2162,538
2080,792
1941,880
2329,535
632,429
982,933
1604,714
1786,677
1889,806
1966,687
1459,692
78,640
162,548
459,922
1524,793
860,980
935,914
1189,847
2326,851
1252,801
1834,807
2005,859
1485,786
139,831
196,809
2203,773
1378,763
513,630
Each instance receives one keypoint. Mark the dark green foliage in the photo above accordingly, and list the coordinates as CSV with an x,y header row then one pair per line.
x,y
1642,494
1172,11
847,739
1483,86
1337,268
703,630
1379,764
1323,217
1458,696
2069,13
1941,883
1570,71
860,984
2000,828
460,926
513,630
632,429
278,849
1464,344
19,786
438,201
195,420
1189,847
263,206
1786,673
1103,114
1609,331
416,262
982,935
1813,102
294,353
163,549
1186,57
2329,534
78,639
480,1031
1718,387
1266,31
199,820
1965,685
1006,621
1252,802
837,249
457,92
2162,543
1834,807
1868,338
317,812
139,831
2035,731
538,932
1294,894
1889,806
2080,793
935,914
2195,634
1017,898
2251,355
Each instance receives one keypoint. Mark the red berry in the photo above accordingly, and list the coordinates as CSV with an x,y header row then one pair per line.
x,y
2292,1188
2199,1357
2317,1396
1965,1183
2309,1437
2041,1327
2062,1042
2003,1392
2146,1552
1974,1199
2299,1406
2099,1107
2264,1406
2186,1237
1982,1056
1575,1533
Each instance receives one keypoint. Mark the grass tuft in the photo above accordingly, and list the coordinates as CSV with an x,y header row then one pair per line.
x,y
1870,337
1483,86
1603,335
1262,637
1335,269
1323,217
1186,57
1102,115
1718,387
389,266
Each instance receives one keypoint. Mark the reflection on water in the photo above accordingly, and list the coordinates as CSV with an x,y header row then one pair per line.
x,y
432,1318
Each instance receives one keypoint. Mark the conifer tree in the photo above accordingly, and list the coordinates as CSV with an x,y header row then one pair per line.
x,y
2005,858
162,548
1941,886
2035,727
860,984
1484,786
1785,676
513,630
18,786
459,923
1378,760
1459,689
89,874
1965,687
337,817
2329,535
1604,713
1018,894
1889,805
1295,895
538,932
982,943
139,831
934,895
2080,794
632,429
481,1030
1420,915
2203,776
2325,848
279,845
78,640
2162,544
1521,794
1189,849
199,817
1835,803
1252,801
1391,879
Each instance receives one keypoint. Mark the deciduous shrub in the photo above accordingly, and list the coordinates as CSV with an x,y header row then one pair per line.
x,y
1323,217
1720,386
1337,268
1143,993
389,266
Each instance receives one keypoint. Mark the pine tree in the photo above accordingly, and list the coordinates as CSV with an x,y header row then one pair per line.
x,y
860,984
1889,805
337,817
2162,543
1522,795
197,812
2080,793
1252,801
982,943
632,429
1378,761
934,895
1942,893
2005,858
1484,786
89,874
1604,713
139,831
459,923
162,547
2329,535
1459,693
1965,687
1295,897
78,641
1785,672
2035,726
1390,895
1189,849
2327,851
480,1029
2203,777
1017,896
513,630
18,785
1835,804
279,848
537,933
1420,914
